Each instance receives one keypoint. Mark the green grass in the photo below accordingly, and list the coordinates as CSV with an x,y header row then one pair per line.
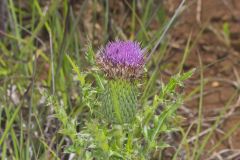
x,y
47,53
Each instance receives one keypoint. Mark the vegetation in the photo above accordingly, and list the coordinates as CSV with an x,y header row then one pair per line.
x,y
50,84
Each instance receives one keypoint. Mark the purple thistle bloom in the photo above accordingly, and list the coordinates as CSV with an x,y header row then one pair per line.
x,y
126,53
124,59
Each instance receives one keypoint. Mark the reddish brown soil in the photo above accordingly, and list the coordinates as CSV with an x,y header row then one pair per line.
x,y
220,58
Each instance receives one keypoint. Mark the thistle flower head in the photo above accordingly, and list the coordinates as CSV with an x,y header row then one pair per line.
x,y
121,59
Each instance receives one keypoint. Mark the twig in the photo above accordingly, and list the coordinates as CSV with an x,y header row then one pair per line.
x,y
233,156
224,151
227,115
199,10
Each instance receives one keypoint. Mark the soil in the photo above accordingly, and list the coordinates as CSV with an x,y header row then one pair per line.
x,y
204,21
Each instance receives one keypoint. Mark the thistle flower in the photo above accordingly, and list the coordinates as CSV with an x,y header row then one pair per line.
x,y
123,63
121,59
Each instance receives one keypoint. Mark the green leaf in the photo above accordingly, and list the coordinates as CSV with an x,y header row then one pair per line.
x,y
81,77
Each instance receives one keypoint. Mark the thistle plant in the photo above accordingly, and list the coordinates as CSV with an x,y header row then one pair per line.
x,y
123,64
124,128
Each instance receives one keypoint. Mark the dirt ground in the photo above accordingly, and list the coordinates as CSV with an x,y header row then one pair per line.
x,y
204,21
